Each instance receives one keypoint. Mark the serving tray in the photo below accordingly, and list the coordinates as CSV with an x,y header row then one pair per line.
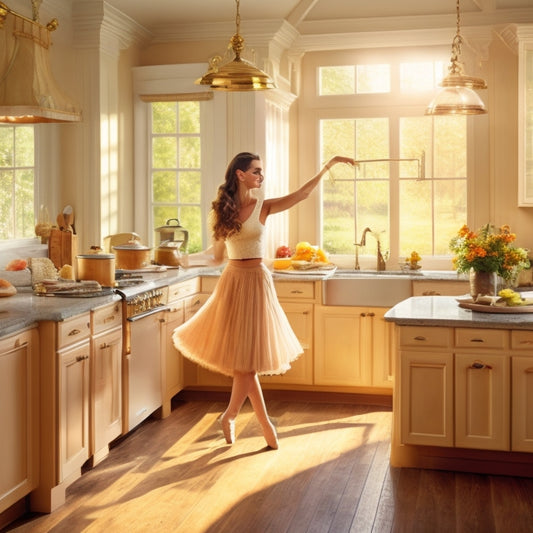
x,y
518,309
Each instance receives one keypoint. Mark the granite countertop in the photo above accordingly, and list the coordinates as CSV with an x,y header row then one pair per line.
x,y
445,311
26,309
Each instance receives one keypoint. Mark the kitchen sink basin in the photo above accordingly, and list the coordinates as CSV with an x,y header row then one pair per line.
x,y
366,288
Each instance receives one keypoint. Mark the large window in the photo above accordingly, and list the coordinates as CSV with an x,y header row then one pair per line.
x,y
408,204
176,174
17,174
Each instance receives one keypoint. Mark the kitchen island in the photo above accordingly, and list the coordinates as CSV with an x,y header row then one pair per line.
x,y
463,383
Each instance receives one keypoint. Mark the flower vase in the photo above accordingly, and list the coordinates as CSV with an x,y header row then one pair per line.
x,y
483,284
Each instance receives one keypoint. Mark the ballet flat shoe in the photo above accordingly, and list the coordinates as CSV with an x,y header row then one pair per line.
x,y
228,428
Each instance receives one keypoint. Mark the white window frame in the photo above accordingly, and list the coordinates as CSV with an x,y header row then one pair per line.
x,y
166,80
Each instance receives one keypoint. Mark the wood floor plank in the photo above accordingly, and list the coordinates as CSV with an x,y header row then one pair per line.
x,y
331,474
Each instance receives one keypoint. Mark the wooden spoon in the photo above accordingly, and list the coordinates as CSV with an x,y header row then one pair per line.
x,y
68,217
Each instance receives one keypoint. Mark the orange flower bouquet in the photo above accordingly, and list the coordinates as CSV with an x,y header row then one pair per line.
x,y
486,250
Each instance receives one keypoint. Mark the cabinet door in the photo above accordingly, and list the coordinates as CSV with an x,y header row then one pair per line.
x,y
106,404
522,404
342,346
300,316
171,360
73,409
425,386
19,419
382,348
482,398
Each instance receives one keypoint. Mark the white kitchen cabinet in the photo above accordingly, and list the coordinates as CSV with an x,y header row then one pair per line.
x,y
106,379
19,416
353,347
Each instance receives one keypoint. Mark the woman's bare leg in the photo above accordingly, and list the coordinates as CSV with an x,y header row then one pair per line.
x,y
257,400
239,393
247,385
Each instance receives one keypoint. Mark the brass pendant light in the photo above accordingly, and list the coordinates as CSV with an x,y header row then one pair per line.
x,y
237,74
457,96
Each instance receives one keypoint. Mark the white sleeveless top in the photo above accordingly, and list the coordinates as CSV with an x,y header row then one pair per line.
x,y
249,243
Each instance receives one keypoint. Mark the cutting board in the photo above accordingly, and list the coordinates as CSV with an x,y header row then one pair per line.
x,y
63,248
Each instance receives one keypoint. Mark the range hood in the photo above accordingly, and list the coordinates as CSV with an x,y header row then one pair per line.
x,y
28,91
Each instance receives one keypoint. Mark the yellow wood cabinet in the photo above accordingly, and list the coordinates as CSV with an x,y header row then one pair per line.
x,y
300,317
482,389
171,361
465,387
106,379
353,347
522,391
19,420
424,385
64,407
74,376
440,287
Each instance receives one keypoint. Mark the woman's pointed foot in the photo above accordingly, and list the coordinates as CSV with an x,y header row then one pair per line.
x,y
271,437
228,428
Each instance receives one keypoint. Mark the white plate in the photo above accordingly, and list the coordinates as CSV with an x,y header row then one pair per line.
x,y
321,271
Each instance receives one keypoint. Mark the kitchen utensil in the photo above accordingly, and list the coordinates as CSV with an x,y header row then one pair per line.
x,y
68,218
132,256
174,232
97,266
168,253
118,239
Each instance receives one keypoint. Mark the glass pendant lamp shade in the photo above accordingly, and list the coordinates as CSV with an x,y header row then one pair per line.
x,y
456,101
457,96
237,74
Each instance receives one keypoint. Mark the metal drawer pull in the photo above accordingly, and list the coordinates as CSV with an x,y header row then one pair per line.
x,y
74,332
296,291
478,365
527,343
528,370
81,358
477,340
420,338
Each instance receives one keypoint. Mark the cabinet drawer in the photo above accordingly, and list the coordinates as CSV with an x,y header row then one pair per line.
x,y
209,284
291,289
425,336
522,340
183,288
73,330
107,317
481,338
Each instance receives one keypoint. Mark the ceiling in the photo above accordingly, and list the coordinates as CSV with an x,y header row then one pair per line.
x,y
311,13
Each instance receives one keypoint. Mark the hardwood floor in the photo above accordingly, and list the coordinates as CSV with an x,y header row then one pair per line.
x,y
330,474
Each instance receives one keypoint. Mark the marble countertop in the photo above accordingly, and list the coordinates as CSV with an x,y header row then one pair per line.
x,y
445,311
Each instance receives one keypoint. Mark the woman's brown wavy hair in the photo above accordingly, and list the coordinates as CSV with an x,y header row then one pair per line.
x,y
226,204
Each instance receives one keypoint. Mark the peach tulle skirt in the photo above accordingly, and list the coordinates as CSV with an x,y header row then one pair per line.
x,y
241,327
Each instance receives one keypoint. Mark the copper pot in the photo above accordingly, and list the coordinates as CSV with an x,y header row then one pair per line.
x,y
132,256
98,267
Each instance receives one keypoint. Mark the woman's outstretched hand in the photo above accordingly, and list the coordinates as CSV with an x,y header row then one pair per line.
x,y
340,159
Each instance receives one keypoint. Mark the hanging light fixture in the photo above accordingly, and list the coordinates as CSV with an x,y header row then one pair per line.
x,y
237,74
28,92
457,96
